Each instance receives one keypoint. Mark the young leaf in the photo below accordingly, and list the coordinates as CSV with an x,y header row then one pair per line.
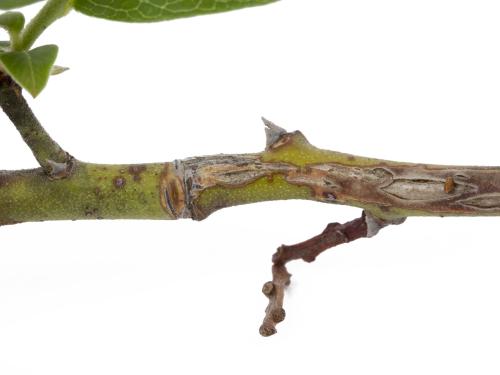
x,y
13,4
56,69
158,10
13,22
30,69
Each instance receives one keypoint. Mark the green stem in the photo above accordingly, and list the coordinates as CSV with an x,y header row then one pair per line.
x,y
93,192
15,40
50,12
56,162
290,168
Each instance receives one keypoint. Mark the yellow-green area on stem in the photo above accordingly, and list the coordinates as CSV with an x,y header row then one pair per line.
x,y
94,191
294,148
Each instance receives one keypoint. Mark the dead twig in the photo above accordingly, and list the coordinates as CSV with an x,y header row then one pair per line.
x,y
334,234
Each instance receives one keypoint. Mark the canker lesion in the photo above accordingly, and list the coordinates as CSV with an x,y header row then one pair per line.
x,y
172,192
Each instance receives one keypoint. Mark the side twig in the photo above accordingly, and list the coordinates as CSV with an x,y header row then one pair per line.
x,y
334,234
56,162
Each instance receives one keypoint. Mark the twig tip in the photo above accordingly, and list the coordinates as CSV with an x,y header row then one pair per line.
x,y
267,331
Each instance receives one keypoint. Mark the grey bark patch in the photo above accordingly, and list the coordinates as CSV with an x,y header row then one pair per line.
x,y
424,190
485,201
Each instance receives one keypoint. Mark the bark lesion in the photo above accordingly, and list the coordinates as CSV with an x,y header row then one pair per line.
x,y
289,168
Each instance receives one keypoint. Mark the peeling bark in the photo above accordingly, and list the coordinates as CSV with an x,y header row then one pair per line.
x,y
196,187
289,168
387,189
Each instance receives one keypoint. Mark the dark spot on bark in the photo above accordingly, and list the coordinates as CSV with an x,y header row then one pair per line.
x,y
119,182
90,211
329,196
135,171
384,208
449,185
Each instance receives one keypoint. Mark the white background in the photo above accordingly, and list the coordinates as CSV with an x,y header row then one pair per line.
x,y
407,80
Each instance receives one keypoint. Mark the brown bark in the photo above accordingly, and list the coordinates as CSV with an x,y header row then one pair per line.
x,y
333,235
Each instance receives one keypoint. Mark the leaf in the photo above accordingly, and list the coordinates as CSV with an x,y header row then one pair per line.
x,y
56,69
13,4
13,22
158,10
30,69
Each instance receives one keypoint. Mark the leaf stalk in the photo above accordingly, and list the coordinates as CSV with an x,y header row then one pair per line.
x,y
50,12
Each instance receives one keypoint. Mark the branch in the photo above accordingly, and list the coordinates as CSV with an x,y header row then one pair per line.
x,y
334,234
289,168
56,162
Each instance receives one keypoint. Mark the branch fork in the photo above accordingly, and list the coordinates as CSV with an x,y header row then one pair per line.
x,y
56,162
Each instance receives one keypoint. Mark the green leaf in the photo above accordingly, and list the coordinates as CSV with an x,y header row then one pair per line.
x,y
13,22
13,4
30,69
158,10
56,69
